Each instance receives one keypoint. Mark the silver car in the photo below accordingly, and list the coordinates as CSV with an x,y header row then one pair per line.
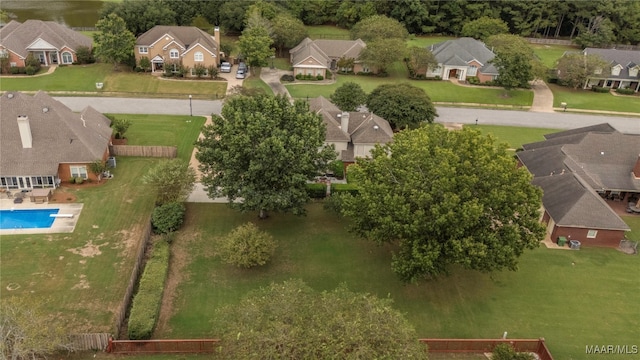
x,y
240,74
225,67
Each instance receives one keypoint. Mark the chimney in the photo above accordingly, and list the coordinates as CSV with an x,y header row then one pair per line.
x,y
636,169
25,131
344,122
216,37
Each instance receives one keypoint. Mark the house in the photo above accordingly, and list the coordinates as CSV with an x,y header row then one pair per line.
x,y
43,142
174,45
48,41
623,71
315,57
462,58
353,134
580,171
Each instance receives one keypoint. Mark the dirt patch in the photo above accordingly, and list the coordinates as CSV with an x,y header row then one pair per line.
x,y
88,250
82,284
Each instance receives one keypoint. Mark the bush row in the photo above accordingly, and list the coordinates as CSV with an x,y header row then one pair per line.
x,y
147,302
599,89
626,91
309,77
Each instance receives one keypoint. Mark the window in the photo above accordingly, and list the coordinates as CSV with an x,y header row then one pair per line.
x,y
198,56
473,70
67,58
174,54
633,72
13,64
615,71
143,50
79,171
592,234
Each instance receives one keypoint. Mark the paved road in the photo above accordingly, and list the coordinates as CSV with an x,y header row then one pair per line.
x,y
143,106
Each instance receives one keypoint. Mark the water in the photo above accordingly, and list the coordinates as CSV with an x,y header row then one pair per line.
x,y
27,219
71,13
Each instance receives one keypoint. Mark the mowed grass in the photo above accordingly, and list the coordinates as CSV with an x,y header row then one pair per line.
x,y
549,54
590,100
137,84
84,290
514,136
81,78
556,294
327,32
164,130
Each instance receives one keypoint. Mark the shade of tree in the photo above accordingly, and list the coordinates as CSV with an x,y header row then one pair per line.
x,y
378,27
247,246
575,68
114,43
484,27
419,60
290,320
381,53
171,180
255,46
513,60
445,198
402,105
262,150
141,15
287,31
349,96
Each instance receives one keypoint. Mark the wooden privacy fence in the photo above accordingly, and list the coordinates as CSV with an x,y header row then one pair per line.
x,y
162,346
487,345
145,151
92,341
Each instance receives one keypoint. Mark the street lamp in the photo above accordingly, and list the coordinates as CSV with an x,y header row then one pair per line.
x,y
190,107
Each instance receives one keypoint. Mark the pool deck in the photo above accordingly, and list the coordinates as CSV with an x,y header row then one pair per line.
x,y
60,224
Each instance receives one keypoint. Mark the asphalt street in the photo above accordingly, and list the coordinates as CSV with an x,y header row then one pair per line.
x,y
557,120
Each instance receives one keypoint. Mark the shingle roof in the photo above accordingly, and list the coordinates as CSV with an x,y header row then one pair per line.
x,y
604,128
326,50
461,51
59,135
626,58
185,36
17,36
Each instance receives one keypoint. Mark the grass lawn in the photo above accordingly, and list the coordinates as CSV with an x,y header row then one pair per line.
x,y
422,41
164,130
548,297
549,54
589,100
514,136
327,32
254,81
65,78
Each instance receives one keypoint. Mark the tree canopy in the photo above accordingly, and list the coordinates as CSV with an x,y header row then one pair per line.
x,y
381,53
445,198
378,27
255,46
402,105
575,68
420,59
171,180
114,43
141,15
291,321
287,31
261,151
514,60
349,96
484,27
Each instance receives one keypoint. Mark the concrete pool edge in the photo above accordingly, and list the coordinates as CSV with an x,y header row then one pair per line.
x,y
60,224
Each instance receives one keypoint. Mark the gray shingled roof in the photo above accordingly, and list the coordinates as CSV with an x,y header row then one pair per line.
x,y
325,50
186,36
59,135
17,36
460,52
626,58
604,128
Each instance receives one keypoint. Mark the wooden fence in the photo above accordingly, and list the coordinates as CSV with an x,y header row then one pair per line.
x,y
145,151
93,341
487,345
162,346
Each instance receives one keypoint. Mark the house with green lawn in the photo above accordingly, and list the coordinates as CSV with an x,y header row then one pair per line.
x,y
315,57
623,71
462,58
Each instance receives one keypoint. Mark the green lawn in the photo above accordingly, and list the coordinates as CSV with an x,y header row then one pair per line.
x,y
589,100
164,130
253,82
514,136
65,78
549,54
423,41
327,32
556,294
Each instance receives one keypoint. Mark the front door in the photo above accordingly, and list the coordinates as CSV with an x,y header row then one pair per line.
x,y
54,58
42,58
453,73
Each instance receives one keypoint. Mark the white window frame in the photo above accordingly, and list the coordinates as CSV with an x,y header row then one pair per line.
x,y
13,64
198,56
592,234
473,70
143,50
79,171
63,57
174,54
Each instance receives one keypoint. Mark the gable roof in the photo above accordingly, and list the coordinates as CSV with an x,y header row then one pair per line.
x,y
625,58
59,135
460,52
18,37
185,37
324,50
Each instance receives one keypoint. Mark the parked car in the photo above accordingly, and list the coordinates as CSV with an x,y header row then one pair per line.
x,y
243,66
240,74
225,67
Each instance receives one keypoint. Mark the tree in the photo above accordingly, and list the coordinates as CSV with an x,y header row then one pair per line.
x,y
171,180
84,55
420,59
378,27
141,15
144,63
98,167
575,68
484,27
168,217
262,150
291,321
402,105
349,12
598,33
349,96
120,127
255,46
114,43
26,332
445,198
287,31
513,60
247,246
381,53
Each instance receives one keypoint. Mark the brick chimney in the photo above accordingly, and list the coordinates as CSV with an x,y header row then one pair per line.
x,y
25,131
636,169
344,122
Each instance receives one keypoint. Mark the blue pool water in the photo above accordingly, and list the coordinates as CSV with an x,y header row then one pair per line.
x,y
26,219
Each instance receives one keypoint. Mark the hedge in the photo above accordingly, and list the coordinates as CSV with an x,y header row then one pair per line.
x,y
626,91
147,302
600,89
317,190
345,188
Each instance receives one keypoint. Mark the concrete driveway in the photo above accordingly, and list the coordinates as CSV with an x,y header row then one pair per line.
x,y
231,78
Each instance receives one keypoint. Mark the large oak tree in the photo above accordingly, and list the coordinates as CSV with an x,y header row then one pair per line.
x,y
114,43
402,105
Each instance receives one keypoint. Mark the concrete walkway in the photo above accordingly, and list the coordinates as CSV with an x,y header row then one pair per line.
x,y
542,97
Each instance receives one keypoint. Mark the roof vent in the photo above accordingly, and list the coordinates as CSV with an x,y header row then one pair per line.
x,y
45,109
10,95
601,152
339,115
376,127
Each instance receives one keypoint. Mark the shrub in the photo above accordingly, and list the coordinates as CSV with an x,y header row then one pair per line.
x,y
84,55
16,70
144,64
600,89
146,303
626,91
334,203
319,77
345,188
168,217
213,71
506,352
30,70
246,246
199,70
79,180
287,78
337,167
32,61
473,80
317,191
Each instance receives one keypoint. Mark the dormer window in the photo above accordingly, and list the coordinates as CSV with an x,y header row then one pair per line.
x,y
633,71
173,54
615,70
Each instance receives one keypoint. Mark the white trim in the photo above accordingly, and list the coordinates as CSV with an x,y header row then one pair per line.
x,y
160,38
173,42
143,52
171,52
42,45
202,46
61,59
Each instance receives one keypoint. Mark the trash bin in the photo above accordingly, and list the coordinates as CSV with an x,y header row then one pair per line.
x,y
575,244
111,161
562,241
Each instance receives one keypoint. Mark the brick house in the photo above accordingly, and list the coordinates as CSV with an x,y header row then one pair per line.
x,y
44,143
462,58
315,57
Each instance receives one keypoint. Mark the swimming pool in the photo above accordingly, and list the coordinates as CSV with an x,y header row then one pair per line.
x,y
27,219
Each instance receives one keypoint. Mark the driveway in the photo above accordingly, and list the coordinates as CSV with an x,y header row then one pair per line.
x,y
231,79
272,78
542,97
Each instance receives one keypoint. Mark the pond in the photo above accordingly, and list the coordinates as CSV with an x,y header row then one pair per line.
x,y
71,13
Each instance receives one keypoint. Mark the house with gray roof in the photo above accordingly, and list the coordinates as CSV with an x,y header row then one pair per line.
x,y
623,71
172,46
353,134
315,57
580,172
48,41
462,58
43,142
